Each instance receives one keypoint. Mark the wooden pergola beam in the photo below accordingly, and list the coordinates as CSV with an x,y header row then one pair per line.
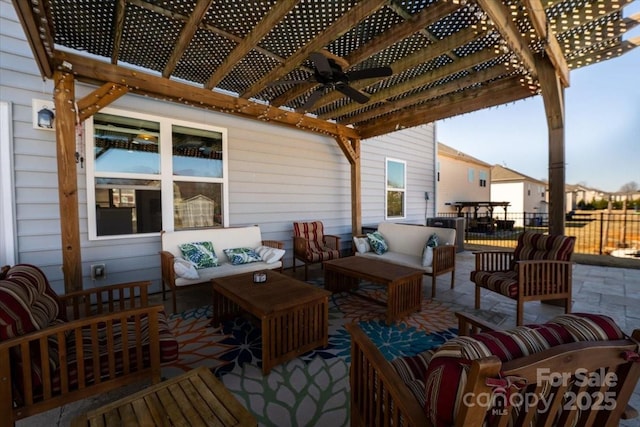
x,y
275,15
453,86
98,72
489,95
501,18
42,48
118,26
343,24
98,99
186,34
551,47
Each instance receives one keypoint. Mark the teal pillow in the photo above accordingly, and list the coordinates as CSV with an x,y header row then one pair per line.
x,y
433,241
201,254
242,255
377,243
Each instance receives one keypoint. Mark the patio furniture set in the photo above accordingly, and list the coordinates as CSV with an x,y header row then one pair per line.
x,y
43,366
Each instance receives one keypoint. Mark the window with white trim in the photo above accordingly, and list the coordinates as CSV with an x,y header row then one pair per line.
x,y
147,173
396,188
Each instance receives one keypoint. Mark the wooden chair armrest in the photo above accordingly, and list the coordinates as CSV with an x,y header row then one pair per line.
x,y
332,241
300,245
444,258
494,260
371,377
468,324
166,266
106,299
273,244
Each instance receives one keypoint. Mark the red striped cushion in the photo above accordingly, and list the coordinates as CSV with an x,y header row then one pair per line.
x,y
446,375
15,309
312,231
532,246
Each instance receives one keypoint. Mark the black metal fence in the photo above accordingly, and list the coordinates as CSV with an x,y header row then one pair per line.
x,y
597,232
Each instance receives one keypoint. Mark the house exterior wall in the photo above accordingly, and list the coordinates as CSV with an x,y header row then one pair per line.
x,y
511,192
277,175
455,185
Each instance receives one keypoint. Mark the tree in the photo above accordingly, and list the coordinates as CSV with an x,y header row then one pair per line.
x,y
629,188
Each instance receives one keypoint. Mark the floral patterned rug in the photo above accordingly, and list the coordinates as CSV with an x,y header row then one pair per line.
x,y
312,390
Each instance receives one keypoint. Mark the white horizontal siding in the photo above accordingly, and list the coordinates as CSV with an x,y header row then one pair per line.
x,y
277,175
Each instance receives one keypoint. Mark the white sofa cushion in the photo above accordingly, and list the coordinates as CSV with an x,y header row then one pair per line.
x,y
411,239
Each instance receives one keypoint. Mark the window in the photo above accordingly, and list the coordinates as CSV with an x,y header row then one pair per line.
x,y
146,174
470,175
483,178
396,188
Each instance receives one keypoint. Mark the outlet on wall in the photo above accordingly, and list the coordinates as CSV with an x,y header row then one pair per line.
x,y
98,272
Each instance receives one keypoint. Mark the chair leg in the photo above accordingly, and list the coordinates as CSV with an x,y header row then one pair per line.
x,y
294,263
306,271
477,297
453,278
567,305
433,286
175,303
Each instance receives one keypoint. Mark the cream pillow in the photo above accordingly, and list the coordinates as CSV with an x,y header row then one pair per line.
x,y
185,269
362,244
269,255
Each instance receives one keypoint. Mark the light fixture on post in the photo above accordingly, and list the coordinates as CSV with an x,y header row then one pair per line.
x,y
45,118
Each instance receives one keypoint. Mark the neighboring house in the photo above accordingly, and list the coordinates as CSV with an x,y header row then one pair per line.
x,y
461,178
577,194
265,174
524,194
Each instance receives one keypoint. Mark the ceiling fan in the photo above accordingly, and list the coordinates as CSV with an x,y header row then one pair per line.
x,y
328,73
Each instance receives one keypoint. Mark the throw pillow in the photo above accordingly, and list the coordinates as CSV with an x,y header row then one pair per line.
x,y
361,244
377,242
427,256
201,254
427,251
185,269
239,256
270,255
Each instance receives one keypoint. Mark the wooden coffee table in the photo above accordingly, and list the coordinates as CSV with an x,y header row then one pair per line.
x,y
293,315
195,398
404,284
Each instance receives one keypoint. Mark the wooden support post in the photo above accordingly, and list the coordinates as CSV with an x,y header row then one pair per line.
x,y
553,97
64,98
351,149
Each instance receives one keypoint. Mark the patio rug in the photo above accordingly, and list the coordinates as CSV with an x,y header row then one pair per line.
x,y
312,390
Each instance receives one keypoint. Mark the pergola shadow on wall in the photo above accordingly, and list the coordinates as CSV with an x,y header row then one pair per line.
x,y
446,57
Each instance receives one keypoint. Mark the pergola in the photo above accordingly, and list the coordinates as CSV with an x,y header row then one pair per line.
x,y
448,57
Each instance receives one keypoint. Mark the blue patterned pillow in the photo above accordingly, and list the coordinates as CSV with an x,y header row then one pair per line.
x,y
377,242
201,254
433,241
242,255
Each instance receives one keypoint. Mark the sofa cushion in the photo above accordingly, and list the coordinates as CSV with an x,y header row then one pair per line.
x,y
446,375
377,242
538,246
361,244
410,239
201,254
226,269
503,282
312,231
239,256
44,306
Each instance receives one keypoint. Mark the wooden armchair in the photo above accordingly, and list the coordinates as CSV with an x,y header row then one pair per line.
x,y
462,384
311,245
55,350
539,269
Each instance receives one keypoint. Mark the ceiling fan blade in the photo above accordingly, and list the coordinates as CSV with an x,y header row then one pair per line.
x,y
321,63
368,73
352,93
312,99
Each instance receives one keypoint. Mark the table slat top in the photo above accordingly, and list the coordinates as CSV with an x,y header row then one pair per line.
x,y
383,270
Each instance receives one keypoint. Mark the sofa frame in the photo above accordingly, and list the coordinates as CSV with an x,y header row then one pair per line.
x,y
220,237
379,396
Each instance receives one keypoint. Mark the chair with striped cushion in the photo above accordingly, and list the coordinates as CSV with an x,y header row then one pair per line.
x,y
539,269
58,349
311,245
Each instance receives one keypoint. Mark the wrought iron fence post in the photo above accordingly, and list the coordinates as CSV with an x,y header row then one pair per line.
x,y
601,232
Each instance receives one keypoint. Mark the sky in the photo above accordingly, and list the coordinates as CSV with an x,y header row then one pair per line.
x,y
602,126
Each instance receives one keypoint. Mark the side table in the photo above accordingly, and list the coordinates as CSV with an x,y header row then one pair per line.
x,y
195,398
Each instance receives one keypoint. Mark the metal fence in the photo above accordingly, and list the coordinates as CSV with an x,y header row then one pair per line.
x,y
597,232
